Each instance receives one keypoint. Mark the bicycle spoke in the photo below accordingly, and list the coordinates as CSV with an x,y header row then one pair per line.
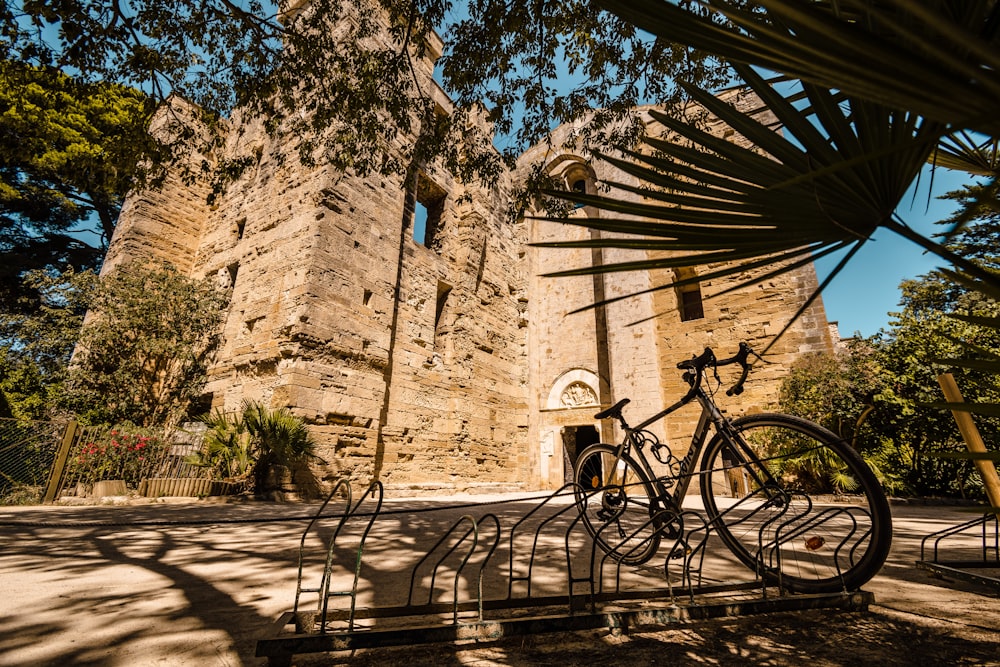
x,y
619,504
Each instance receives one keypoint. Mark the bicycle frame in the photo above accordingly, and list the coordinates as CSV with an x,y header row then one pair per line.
x,y
711,417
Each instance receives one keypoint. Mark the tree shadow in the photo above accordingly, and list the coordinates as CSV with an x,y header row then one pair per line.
x,y
130,591
93,594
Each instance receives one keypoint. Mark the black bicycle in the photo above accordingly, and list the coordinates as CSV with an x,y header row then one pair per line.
x,y
790,499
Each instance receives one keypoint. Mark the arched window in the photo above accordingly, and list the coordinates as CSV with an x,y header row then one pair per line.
x,y
578,177
688,295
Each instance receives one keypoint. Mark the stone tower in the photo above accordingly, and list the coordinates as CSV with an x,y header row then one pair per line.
x,y
404,319
404,353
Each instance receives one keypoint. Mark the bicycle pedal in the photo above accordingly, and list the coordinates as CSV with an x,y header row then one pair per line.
x,y
680,551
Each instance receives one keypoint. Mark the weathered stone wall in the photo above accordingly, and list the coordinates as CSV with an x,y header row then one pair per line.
x,y
406,358
166,223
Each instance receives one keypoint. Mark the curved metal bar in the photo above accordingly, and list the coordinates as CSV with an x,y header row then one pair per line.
x,y
340,484
474,531
615,553
944,533
697,551
538,531
364,538
860,540
489,555
759,556
800,529
581,498
326,594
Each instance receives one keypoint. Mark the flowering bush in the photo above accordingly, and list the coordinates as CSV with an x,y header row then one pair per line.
x,y
123,452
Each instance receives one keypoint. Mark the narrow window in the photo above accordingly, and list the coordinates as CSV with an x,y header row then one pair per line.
x,y
420,223
691,306
441,315
689,301
226,276
366,298
425,206
240,227
578,184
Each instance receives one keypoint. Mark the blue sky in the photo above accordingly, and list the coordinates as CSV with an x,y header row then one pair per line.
x,y
861,297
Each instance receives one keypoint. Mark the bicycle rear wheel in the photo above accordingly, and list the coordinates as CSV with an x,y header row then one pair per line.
x,y
617,504
805,511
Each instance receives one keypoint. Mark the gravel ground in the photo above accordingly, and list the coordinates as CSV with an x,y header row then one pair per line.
x,y
192,583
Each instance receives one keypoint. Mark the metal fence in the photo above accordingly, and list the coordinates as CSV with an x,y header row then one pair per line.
x,y
41,461
125,459
27,452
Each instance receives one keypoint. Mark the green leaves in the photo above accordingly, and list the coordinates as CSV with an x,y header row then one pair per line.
x,y
245,445
352,75
143,353
554,62
69,152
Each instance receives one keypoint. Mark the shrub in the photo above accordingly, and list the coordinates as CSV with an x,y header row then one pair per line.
x,y
123,452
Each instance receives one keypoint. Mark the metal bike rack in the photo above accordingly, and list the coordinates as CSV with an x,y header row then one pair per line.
x,y
988,529
552,578
798,526
323,592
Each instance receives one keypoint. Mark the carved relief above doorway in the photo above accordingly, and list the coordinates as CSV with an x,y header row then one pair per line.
x,y
576,388
578,395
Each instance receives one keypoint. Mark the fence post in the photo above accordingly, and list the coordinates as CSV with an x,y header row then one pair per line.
x,y
973,441
59,465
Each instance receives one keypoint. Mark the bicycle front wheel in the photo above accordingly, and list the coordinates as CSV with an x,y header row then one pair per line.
x,y
617,504
796,503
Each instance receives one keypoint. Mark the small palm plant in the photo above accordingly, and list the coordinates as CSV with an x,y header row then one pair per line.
x,y
245,446
228,452
280,438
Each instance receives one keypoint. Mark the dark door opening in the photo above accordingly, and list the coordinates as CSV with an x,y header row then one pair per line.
x,y
575,439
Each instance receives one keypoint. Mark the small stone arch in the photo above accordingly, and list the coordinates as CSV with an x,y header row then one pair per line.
x,y
576,174
576,388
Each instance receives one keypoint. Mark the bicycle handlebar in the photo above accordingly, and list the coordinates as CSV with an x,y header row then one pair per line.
x,y
707,358
695,367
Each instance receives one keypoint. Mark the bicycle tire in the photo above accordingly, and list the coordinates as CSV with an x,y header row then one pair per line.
x,y
620,517
822,526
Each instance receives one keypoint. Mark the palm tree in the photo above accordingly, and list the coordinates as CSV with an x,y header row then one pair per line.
x,y
280,437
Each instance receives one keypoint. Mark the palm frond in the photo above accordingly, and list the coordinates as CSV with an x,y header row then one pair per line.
x,y
962,152
937,58
834,177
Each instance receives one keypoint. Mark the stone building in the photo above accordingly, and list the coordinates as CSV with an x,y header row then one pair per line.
x,y
437,359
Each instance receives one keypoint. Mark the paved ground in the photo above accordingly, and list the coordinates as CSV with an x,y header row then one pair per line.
x,y
100,585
